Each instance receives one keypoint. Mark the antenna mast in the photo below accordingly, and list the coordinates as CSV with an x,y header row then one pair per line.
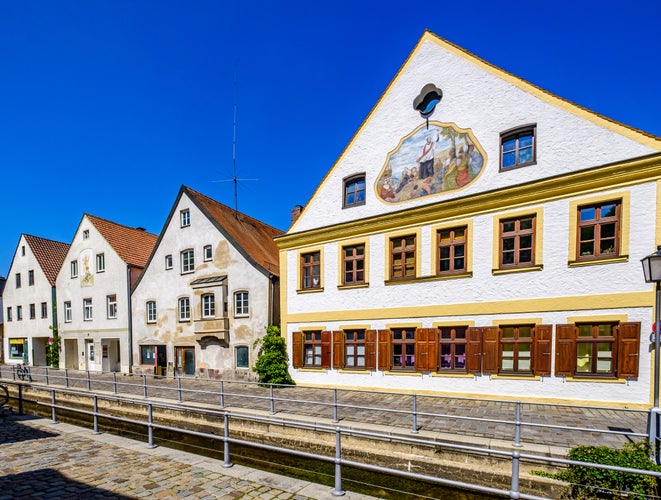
x,y
236,196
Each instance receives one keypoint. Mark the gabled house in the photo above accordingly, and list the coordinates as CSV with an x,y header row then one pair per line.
x,y
28,299
478,235
209,290
93,294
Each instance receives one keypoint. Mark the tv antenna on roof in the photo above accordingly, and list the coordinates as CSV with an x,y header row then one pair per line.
x,y
234,178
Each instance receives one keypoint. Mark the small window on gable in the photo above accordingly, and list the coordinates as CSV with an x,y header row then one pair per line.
x,y
354,190
207,253
518,147
86,234
22,250
168,262
185,218
100,262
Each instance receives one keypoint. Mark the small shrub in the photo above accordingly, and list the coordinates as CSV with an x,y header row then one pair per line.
x,y
271,365
589,482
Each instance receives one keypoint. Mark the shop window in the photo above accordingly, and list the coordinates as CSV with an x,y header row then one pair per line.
x,y
16,348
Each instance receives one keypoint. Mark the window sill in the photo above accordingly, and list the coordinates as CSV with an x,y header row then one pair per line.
x,y
512,376
314,369
310,290
512,270
598,380
598,262
449,374
349,287
407,373
423,279
354,371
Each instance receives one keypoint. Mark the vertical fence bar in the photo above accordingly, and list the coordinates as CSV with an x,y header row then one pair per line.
x,y
114,382
337,490
89,383
46,375
517,426
144,385
179,389
13,372
20,399
150,426
514,485
96,415
226,442
414,429
66,378
53,410
222,394
335,420
272,400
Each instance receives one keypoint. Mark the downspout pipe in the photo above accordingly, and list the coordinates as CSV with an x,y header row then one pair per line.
x,y
130,316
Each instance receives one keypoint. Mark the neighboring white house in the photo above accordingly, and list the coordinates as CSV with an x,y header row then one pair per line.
x,y
478,236
93,294
209,290
29,299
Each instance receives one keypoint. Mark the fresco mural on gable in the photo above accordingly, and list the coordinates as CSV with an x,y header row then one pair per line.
x,y
431,160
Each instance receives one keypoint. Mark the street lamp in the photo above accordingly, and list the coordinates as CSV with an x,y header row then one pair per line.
x,y
652,272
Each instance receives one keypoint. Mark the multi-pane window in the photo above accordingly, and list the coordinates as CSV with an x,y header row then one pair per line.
x,y
354,348
208,305
33,311
354,264
517,242
354,191
311,270
403,349
18,280
452,348
185,218
402,257
184,309
30,277
594,349
451,250
241,305
207,253
9,314
111,306
168,262
187,261
518,148
599,230
100,262
312,348
67,312
241,356
87,309
74,268
44,310
86,234
19,313
151,311
516,349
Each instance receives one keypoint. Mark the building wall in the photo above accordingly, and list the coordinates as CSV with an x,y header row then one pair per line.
x,y
214,357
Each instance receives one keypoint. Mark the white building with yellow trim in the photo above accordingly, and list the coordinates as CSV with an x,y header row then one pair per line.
x,y
477,236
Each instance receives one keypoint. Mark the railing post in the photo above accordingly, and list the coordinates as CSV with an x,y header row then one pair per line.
x,y
96,415
179,389
13,372
272,400
335,420
20,399
114,382
222,394
144,385
150,426
517,426
514,485
89,383
66,378
52,407
46,375
226,442
653,433
337,490
414,430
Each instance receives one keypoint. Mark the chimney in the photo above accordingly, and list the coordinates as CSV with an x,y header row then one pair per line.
x,y
296,213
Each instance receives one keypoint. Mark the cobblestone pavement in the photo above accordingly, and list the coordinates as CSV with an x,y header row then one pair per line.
x,y
60,461
459,416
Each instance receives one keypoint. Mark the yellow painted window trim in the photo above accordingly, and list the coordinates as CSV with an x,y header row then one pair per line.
x,y
468,224
516,377
517,270
311,369
357,371
596,380
299,268
340,262
417,232
539,233
406,373
310,290
350,287
598,262
452,375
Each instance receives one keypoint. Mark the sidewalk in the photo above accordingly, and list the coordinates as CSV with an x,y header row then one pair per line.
x,y
61,461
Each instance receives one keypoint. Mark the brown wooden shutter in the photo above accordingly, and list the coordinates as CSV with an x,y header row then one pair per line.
x,y
426,349
490,349
565,349
384,349
370,349
628,347
338,349
297,349
542,349
325,349
474,350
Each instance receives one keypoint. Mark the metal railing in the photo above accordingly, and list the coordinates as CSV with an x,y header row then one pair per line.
x,y
515,457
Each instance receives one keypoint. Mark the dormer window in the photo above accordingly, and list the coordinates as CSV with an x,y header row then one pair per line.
x,y
518,147
354,191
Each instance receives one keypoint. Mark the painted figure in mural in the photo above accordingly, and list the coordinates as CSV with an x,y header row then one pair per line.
x,y
426,159
387,192
404,180
462,178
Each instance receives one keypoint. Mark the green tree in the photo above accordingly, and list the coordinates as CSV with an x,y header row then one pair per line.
x,y
271,362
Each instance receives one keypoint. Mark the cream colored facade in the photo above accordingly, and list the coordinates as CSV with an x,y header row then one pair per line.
x,y
581,162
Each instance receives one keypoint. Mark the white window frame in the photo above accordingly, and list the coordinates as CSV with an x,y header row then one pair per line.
x,y
184,309
74,268
208,305
185,218
88,311
187,261
86,234
100,262
208,254
241,303
111,302
67,312
151,311
168,261
31,277
44,310
19,313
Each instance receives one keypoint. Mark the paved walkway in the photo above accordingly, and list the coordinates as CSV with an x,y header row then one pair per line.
x,y
40,459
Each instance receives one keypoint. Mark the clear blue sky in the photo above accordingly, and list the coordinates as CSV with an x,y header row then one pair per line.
x,y
109,106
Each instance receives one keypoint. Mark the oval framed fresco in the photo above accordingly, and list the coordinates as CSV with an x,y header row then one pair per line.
x,y
430,160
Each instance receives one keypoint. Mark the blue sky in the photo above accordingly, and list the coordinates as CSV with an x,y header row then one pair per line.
x,y
109,106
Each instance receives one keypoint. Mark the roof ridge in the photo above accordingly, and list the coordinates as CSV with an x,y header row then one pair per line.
x,y
91,217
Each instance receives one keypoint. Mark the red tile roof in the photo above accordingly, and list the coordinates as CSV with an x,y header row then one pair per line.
x,y
50,255
254,237
133,245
